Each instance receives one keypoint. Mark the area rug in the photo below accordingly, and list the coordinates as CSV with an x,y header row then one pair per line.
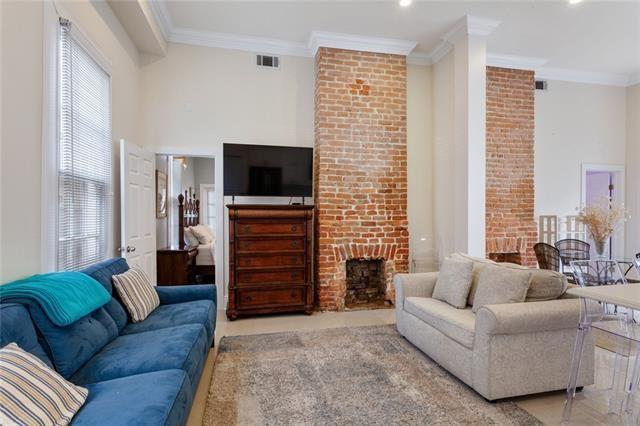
x,y
342,376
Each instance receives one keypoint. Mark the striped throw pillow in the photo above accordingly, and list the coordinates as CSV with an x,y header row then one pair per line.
x,y
31,393
137,293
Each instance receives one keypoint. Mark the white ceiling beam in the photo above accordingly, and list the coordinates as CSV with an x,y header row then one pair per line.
x,y
139,21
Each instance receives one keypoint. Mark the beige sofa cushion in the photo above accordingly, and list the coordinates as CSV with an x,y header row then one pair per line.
x,y
478,264
498,285
457,324
454,282
545,284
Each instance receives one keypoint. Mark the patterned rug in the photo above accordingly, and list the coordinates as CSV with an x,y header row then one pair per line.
x,y
354,375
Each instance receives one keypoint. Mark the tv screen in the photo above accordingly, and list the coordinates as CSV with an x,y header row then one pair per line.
x,y
262,170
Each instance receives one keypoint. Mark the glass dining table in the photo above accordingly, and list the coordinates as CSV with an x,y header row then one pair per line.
x,y
594,301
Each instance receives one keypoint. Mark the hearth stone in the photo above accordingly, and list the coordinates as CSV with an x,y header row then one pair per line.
x,y
365,282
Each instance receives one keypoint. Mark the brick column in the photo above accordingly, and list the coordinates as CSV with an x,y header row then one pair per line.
x,y
360,167
510,194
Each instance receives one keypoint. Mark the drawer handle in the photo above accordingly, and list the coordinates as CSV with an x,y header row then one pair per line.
x,y
294,275
293,259
247,262
247,245
294,294
247,298
294,244
294,228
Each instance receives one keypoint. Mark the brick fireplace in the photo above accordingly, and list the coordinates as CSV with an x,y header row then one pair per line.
x,y
360,169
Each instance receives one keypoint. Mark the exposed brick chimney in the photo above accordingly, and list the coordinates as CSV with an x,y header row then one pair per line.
x,y
360,167
510,193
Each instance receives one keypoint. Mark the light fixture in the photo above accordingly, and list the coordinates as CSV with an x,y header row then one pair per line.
x,y
405,3
575,1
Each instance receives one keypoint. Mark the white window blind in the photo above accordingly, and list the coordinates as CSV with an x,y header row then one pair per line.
x,y
85,156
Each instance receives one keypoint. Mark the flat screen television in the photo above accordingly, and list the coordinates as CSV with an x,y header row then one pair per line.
x,y
263,170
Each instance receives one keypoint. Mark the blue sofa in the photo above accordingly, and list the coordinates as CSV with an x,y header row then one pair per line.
x,y
144,373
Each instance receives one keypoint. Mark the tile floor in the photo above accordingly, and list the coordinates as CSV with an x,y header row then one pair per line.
x,y
590,407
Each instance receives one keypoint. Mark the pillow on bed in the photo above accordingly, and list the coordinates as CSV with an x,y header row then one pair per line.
x,y
210,229
189,238
202,234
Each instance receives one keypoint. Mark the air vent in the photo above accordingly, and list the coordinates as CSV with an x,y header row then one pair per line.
x,y
268,61
541,85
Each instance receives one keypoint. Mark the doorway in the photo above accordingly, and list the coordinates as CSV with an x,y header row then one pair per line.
x,y
604,184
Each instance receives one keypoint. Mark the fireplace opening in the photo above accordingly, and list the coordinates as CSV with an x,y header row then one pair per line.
x,y
365,283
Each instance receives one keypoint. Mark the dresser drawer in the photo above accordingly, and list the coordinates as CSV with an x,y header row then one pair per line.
x,y
248,299
270,260
262,245
279,228
270,276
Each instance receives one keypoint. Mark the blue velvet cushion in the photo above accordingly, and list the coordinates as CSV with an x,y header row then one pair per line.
x,y
16,326
102,272
186,293
157,398
71,346
183,347
201,312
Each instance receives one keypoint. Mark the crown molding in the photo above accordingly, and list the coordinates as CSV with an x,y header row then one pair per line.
x,y
440,51
238,42
392,46
577,76
470,25
514,62
419,58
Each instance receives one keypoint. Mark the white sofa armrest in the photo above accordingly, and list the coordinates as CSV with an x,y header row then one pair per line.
x,y
530,317
414,285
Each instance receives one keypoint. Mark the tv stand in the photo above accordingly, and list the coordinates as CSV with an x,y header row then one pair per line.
x,y
270,259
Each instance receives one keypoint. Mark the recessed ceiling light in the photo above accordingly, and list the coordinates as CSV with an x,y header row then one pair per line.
x,y
575,1
405,3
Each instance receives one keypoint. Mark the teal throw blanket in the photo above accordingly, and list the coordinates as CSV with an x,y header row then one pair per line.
x,y
65,297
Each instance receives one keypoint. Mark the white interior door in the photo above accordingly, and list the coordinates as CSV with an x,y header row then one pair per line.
x,y
137,208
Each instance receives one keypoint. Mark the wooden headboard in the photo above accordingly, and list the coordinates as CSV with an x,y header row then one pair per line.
x,y
188,214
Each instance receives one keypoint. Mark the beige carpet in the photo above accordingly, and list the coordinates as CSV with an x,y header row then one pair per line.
x,y
355,375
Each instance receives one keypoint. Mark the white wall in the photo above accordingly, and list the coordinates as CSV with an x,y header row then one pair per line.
x,y
203,171
420,164
575,124
22,77
633,170
21,138
197,98
443,164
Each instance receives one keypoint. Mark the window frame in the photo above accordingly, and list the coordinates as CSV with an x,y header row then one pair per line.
x,y
50,190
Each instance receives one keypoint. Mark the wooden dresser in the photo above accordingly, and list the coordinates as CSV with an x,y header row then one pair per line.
x,y
270,259
176,265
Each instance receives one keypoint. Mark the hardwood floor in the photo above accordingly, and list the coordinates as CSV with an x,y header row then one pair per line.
x,y
590,407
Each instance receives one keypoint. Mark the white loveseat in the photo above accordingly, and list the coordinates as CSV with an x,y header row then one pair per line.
x,y
503,350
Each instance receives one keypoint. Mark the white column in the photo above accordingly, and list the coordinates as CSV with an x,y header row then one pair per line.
x,y
468,40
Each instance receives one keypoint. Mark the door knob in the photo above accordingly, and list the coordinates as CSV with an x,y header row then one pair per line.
x,y
131,249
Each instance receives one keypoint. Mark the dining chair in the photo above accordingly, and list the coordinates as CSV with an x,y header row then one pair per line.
x,y
572,250
615,329
548,256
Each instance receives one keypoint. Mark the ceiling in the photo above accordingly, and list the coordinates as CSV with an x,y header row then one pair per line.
x,y
597,37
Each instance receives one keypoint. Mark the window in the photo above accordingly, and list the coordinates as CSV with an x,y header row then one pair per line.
x,y
84,155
